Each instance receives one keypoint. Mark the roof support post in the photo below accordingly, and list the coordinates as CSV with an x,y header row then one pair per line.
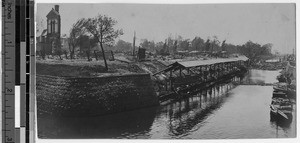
x,y
208,72
223,69
180,72
228,67
219,71
211,69
214,70
171,79
166,84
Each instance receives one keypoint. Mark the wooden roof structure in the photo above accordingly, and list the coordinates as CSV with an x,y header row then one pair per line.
x,y
197,63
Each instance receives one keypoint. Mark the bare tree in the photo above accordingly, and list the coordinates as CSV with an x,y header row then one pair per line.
x,y
223,45
101,27
40,26
74,40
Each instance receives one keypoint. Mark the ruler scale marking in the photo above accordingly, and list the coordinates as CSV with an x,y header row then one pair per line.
x,y
18,52
9,51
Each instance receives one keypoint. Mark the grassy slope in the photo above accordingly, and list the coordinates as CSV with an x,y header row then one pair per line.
x,y
82,68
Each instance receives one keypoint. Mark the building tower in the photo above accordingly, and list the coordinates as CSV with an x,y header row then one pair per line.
x,y
53,30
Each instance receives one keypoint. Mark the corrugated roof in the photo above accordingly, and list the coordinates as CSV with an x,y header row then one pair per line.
x,y
211,61
187,64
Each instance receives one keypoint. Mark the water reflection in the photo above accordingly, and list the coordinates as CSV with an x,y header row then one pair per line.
x,y
109,126
184,115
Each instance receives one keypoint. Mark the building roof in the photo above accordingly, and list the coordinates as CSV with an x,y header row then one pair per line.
x,y
52,13
188,64
211,61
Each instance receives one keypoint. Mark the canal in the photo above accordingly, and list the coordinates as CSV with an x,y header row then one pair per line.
x,y
236,110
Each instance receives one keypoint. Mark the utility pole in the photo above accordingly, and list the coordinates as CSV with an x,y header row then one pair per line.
x,y
133,45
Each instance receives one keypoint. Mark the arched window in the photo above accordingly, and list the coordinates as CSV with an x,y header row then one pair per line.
x,y
52,25
49,26
56,25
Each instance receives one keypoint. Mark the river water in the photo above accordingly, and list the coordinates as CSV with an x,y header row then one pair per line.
x,y
228,110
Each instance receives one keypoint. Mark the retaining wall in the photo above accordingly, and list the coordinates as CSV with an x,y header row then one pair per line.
x,y
69,96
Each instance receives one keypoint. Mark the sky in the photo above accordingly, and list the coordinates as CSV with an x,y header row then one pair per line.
x,y
235,23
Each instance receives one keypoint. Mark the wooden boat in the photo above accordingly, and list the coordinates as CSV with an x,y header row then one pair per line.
x,y
281,108
280,88
279,94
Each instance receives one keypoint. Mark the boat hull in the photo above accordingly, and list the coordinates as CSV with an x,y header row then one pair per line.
x,y
280,115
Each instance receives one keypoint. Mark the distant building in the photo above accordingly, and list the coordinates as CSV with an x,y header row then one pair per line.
x,y
49,42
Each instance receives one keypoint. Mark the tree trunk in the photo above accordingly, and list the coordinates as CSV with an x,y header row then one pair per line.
x,y
88,55
71,51
66,54
43,54
112,55
72,55
103,54
96,56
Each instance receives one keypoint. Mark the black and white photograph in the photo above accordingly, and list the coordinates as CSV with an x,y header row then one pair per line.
x,y
191,71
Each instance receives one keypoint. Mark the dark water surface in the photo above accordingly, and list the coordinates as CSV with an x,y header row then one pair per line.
x,y
226,110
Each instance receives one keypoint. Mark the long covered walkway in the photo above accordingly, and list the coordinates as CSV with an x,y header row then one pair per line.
x,y
181,75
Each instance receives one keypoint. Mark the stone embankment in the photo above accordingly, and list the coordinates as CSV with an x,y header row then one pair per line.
x,y
73,96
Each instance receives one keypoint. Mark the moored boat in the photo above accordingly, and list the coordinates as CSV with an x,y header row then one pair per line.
x,y
280,86
281,108
284,90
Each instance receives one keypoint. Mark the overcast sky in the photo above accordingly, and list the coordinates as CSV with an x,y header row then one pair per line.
x,y
237,23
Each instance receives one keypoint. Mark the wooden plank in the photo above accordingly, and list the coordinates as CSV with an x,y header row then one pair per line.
x,y
282,114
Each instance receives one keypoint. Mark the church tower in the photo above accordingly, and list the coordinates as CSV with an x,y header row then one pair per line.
x,y
53,30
